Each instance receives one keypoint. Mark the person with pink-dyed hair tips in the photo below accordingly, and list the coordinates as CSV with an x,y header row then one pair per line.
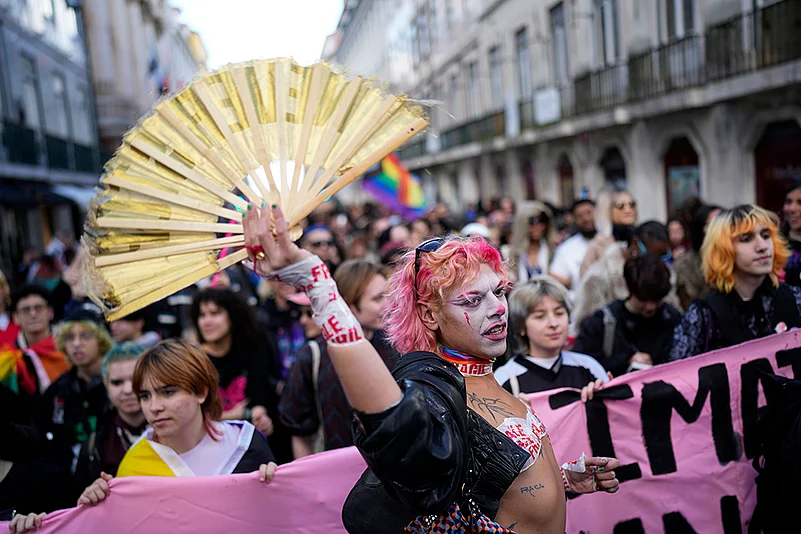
x,y
447,447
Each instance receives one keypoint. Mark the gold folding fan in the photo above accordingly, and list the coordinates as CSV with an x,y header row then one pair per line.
x,y
263,131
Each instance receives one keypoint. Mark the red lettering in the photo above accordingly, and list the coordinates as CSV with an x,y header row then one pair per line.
x,y
334,324
332,296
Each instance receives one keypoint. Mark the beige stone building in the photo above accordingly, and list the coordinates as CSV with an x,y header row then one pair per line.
x,y
553,99
139,50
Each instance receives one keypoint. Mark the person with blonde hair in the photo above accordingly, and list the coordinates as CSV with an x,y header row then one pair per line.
x,y
742,254
615,217
532,244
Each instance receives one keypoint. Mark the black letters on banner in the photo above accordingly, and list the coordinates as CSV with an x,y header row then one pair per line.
x,y
659,399
751,374
791,358
730,511
598,425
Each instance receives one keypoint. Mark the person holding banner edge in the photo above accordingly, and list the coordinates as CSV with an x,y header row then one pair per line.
x,y
742,254
178,392
429,434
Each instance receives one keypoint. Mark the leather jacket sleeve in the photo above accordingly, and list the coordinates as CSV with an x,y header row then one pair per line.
x,y
420,447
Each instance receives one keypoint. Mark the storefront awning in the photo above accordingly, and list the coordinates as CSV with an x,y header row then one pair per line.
x,y
80,195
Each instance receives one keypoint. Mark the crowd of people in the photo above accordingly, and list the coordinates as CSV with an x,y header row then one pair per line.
x,y
238,373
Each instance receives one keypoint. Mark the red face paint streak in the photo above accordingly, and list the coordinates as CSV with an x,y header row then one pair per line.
x,y
467,318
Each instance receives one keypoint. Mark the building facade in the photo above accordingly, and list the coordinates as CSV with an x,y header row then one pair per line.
x,y
49,151
139,51
555,99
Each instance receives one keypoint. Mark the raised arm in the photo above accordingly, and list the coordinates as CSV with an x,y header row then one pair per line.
x,y
367,382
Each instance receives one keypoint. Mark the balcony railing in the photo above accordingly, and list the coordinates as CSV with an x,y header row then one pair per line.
x,y
25,145
750,41
601,89
675,66
22,144
58,152
414,149
483,129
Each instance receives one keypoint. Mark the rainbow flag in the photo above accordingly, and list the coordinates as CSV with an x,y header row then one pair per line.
x,y
390,183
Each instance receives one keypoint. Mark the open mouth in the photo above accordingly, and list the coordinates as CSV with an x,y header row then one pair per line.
x,y
495,330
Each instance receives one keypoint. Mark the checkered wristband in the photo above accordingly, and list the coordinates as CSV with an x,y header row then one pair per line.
x,y
331,312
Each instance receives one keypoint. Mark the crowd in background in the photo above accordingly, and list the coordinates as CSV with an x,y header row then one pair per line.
x,y
598,293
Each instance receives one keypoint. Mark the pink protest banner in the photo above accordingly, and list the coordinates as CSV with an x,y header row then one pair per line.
x,y
305,497
685,434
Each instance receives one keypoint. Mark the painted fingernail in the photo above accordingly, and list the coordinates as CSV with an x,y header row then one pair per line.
x,y
244,214
603,459
600,469
250,207
263,204
273,206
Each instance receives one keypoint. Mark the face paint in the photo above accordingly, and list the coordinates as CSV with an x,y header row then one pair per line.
x,y
481,303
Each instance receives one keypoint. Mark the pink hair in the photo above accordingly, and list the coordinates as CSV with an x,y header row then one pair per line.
x,y
456,263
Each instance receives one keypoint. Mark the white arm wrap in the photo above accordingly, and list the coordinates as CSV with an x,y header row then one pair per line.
x,y
331,313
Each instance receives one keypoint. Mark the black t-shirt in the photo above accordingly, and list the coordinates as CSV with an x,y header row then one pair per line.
x,y
792,271
248,366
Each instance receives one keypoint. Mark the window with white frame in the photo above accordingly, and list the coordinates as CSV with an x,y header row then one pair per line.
x,y
496,77
57,123
605,26
559,43
679,18
82,118
523,64
28,104
472,89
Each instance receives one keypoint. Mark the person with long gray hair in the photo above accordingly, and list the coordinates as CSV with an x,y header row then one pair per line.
x,y
539,317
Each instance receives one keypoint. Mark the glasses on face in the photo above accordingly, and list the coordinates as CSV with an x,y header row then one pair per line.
x,y
630,204
667,257
83,336
426,246
318,244
536,220
27,310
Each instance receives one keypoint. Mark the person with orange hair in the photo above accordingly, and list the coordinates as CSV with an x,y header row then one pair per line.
x,y
742,255
441,437
178,392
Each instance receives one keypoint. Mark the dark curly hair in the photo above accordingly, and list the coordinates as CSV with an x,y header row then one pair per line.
x,y
244,325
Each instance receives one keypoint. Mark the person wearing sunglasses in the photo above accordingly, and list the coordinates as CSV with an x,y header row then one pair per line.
x,y
532,244
742,254
604,281
441,436
319,240
615,219
636,332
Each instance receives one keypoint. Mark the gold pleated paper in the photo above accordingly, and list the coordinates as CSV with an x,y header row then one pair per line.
x,y
262,131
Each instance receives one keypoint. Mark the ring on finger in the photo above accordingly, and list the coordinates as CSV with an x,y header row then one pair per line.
x,y
256,251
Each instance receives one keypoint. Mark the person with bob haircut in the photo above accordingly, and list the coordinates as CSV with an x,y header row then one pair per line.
x,y
791,229
177,389
743,254
636,332
539,317
317,412
438,433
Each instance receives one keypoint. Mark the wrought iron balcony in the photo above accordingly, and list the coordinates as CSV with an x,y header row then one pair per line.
x,y
750,41
675,66
414,149
21,143
58,152
601,89
483,129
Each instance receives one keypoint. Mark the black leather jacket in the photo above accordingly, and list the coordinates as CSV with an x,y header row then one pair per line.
x,y
430,450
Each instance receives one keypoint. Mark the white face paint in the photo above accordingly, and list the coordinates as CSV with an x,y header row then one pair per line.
x,y
473,318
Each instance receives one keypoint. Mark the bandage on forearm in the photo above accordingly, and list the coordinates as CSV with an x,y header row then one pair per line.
x,y
331,313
